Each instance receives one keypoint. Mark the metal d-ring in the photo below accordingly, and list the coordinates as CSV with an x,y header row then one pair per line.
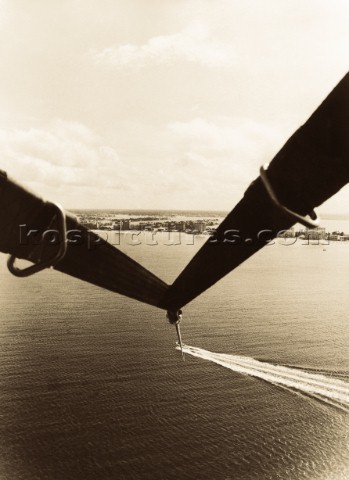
x,y
311,221
51,262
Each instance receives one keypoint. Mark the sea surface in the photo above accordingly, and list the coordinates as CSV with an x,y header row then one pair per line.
x,y
92,386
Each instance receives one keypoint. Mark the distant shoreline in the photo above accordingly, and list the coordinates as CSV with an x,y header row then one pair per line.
x,y
174,212
195,222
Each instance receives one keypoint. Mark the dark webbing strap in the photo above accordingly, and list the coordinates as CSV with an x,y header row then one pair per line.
x,y
90,259
311,167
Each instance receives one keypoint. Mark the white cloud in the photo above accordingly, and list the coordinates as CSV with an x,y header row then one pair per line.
x,y
193,45
205,162
271,62
232,148
63,154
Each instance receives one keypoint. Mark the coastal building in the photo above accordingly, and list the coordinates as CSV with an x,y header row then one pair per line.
x,y
333,237
125,224
318,233
199,226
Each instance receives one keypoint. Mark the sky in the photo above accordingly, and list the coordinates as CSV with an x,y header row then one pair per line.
x,y
161,104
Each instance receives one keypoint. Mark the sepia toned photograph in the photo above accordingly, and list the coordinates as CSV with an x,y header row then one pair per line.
x,y
174,240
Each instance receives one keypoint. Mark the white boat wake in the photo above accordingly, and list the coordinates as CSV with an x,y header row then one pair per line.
x,y
328,389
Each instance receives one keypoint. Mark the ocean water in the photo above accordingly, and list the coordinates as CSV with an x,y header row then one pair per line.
x,y
92,386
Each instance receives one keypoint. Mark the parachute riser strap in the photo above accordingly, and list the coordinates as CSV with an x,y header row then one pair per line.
x,y
22,211
312,166
59,214
38,231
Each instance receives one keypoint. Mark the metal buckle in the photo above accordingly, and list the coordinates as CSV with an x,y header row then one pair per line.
x,y
37,267
310,221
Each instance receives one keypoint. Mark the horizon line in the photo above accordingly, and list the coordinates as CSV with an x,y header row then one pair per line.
x,y
324,215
